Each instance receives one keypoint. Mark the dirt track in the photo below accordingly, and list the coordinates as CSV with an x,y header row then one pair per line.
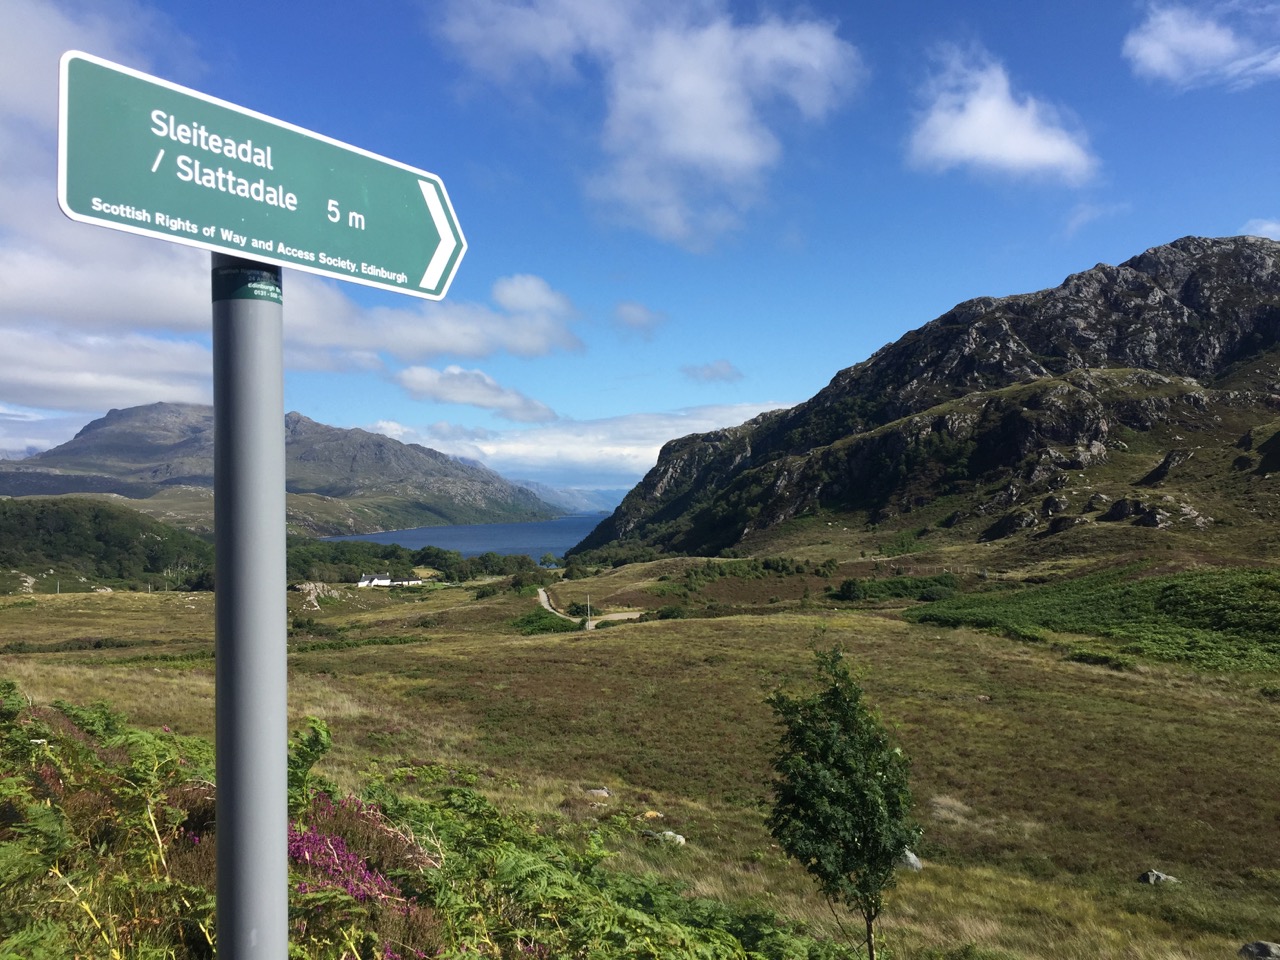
x,y
591,621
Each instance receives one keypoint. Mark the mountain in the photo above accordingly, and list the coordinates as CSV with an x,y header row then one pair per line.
x,y
575,499
338,480
1144,393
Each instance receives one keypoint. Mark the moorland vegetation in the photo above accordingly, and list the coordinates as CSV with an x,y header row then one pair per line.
x,y
1040,527
1045,781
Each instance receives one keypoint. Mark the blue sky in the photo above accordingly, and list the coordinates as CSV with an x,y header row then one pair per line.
x,y
678,214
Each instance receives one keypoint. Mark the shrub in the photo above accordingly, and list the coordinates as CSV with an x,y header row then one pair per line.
x,y
842,806
543,621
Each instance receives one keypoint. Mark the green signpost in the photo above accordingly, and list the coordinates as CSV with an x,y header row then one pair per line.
x,y
143,155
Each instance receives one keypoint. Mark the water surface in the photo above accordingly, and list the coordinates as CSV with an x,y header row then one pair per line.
x,y
535,539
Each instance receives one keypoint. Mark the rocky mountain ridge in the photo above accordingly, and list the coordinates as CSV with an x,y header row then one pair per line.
x,y
1011,393
338,480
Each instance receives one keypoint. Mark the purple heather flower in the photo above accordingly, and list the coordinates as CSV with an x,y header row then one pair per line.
x,y
329,856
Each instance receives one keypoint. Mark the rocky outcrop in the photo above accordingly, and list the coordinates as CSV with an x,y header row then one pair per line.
x,y
1024,389
1172,460
313,592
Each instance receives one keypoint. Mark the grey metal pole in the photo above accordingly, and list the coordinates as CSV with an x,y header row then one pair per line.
x,y
251,721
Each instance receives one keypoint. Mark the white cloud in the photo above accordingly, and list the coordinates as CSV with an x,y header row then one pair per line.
x,y
63,370
50,269
1086,213
612,452
718,371
528,295
1206,44
90,319
974,119
112,283
393,429
473,388
444,431
1262,228
68,282
637,318
687,94
324,329
24,431
144,305
36,34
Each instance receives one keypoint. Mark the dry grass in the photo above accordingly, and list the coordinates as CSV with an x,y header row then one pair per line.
x,y
1044,787
1035,919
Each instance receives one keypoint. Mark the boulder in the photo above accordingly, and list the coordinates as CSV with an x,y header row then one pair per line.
x,y
1060,523
1010,524
1053,504
1097,502
1155,877
1261,950
1172,460
1158,519
1125,509
666,836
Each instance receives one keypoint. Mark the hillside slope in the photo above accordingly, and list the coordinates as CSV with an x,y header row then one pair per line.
x,y
1002,404
339,480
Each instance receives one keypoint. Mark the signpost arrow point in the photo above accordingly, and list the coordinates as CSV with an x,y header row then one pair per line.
x,y
448,242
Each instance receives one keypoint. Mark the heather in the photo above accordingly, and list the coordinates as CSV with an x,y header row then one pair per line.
x,y
108,849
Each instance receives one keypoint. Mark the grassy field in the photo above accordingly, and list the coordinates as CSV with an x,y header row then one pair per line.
x,y
1045,785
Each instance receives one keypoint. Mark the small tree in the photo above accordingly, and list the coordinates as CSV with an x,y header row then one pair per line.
x,y
842,806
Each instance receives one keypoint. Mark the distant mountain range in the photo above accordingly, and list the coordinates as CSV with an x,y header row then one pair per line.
x,y
1144,396
18,454
339,481
576,499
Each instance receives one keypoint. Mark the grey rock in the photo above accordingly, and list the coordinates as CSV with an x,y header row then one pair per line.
x,y
1153,518
1172,460
1059,524
1054,505
1155,878
1260,950
1010,524
1125,509
1097,502
666,836
312,593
